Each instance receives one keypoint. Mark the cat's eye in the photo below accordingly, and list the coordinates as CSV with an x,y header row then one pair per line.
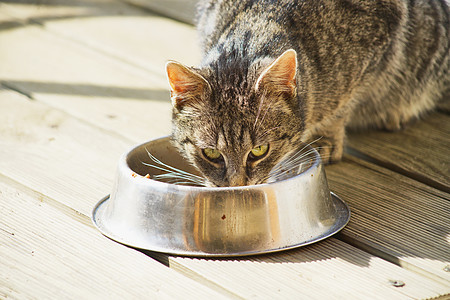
x,y
212,154
259,151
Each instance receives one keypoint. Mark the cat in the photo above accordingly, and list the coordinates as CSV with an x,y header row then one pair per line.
x,y
277,74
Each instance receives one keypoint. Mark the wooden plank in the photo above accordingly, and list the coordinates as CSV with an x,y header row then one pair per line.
x,y
183,10
92,87
55,154
122,80
116,29
78,66
328,270
421,151
395,217
49,255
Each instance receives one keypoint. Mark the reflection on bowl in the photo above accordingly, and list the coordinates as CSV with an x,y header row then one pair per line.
x,y
221,221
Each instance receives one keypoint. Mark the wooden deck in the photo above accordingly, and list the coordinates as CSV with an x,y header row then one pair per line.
x,y
83,80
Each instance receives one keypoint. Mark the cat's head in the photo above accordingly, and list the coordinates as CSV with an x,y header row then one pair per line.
x,y
236,122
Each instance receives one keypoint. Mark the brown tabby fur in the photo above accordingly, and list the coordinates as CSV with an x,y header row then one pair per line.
x,y
287,72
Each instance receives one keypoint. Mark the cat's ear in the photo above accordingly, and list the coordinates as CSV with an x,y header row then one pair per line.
x,y
280,76
186,85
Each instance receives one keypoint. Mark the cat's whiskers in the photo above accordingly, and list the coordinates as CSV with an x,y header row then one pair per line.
x,y
172,174
293,163
299,152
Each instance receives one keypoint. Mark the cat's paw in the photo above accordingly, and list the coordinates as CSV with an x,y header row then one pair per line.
x,y
396,123
330,150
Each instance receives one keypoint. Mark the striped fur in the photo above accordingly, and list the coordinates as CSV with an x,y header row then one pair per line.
x,y
359,64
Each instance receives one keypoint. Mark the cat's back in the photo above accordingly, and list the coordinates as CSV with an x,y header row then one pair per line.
x,y
216,18
387,51
219,18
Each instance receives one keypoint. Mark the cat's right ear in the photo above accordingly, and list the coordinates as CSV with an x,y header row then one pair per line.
x,y
280,76
186,85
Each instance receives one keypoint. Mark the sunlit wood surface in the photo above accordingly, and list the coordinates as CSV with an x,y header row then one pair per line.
x,y
83,80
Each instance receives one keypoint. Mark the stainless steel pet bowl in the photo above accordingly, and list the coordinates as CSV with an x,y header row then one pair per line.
x,y
227,221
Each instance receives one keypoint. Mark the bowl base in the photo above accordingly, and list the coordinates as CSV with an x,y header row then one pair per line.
x,y
128,239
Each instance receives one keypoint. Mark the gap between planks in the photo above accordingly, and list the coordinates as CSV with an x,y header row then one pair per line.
x,y
65,92
138,64
71,213
180,10
394,217
398,169
313,271
419,151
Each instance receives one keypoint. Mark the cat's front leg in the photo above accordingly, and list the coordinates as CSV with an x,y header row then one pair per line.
x,y
329,142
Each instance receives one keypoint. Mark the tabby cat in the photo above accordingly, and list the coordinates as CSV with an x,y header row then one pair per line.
x,y
277,74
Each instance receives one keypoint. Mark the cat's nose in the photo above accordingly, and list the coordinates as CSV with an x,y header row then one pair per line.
x,y
237,181
237,178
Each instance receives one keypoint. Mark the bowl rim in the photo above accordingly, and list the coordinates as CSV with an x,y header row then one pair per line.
x,y
124,164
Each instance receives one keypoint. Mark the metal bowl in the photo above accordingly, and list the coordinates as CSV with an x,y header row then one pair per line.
x,y
222,221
